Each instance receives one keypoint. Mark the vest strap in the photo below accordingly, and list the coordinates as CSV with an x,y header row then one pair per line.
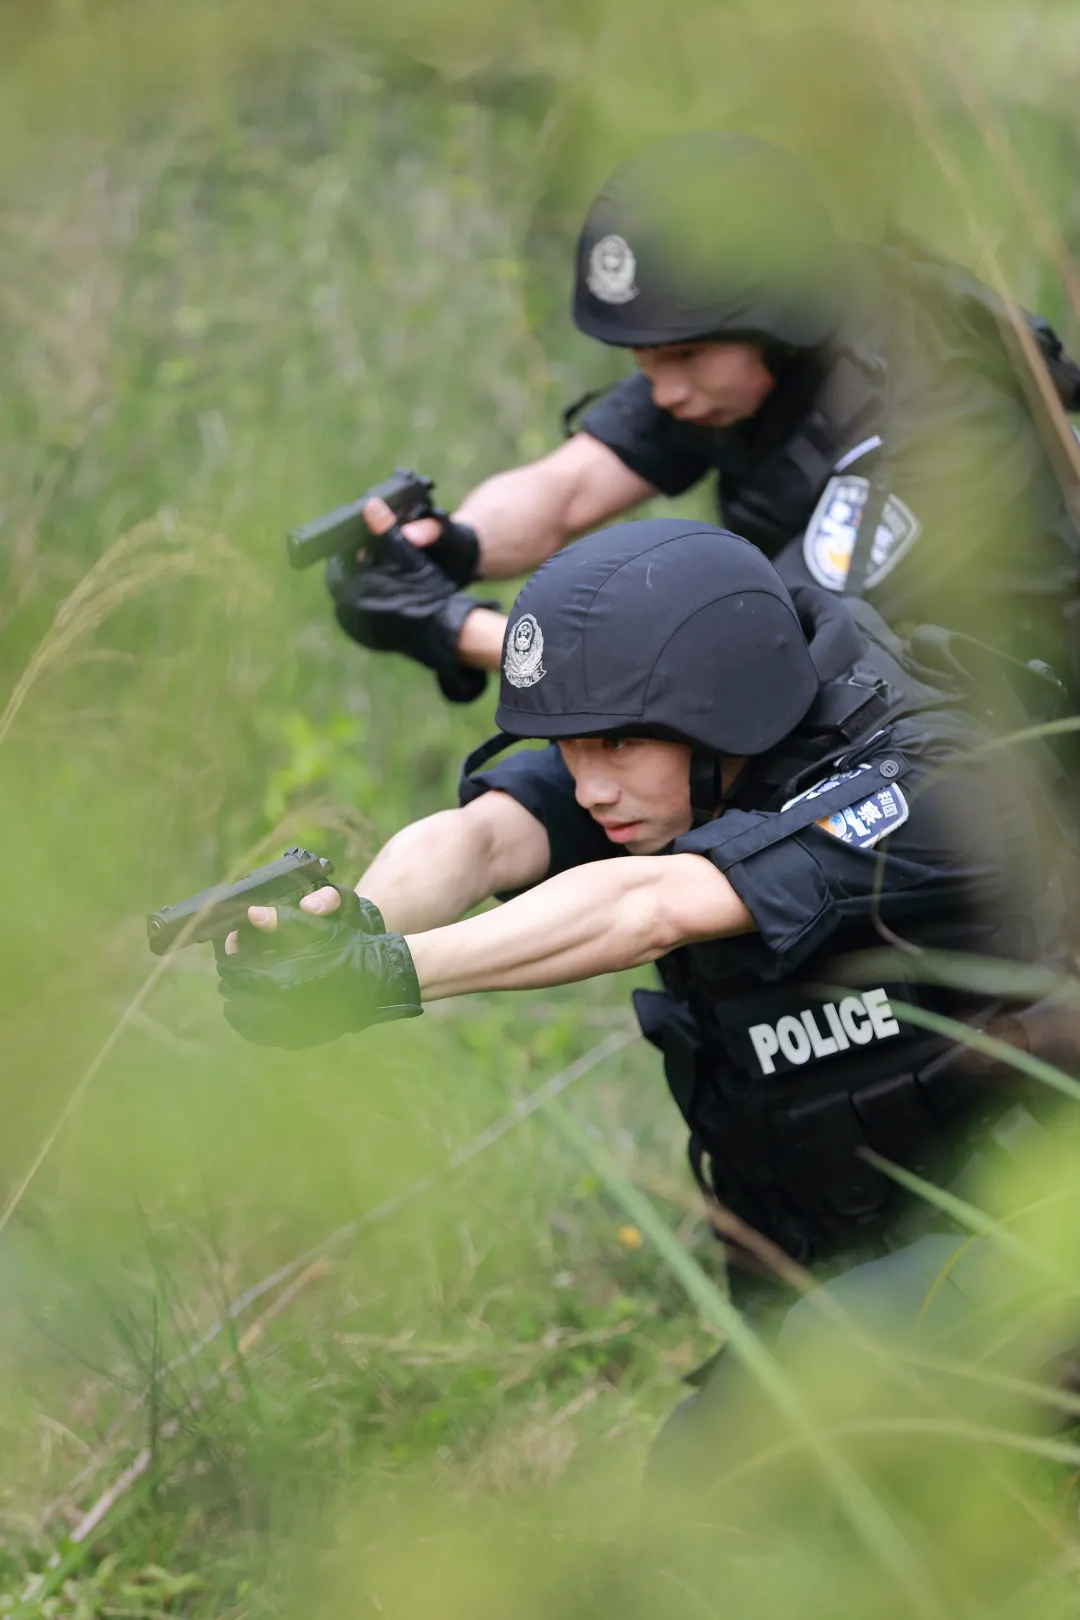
x,y
487,751
726,849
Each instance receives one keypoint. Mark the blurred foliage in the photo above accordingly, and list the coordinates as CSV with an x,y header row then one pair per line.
x,y
254,254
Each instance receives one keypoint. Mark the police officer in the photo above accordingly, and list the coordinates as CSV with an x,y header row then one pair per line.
x,y
858,407
757,789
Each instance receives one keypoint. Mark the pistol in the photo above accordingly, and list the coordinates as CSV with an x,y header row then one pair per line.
x,y
407,494
216,912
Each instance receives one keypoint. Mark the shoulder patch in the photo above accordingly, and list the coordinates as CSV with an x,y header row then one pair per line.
x,y
831,533
827,785
864,822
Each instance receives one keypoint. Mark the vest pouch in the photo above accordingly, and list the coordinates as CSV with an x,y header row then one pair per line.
x,y
786,1086
820,1079
670,1027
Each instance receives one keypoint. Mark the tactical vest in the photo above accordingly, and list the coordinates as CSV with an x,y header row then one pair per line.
x,y
788,1087
784,1088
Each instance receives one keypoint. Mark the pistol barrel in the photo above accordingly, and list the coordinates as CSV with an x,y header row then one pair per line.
x,y
335,531
407,494
217,911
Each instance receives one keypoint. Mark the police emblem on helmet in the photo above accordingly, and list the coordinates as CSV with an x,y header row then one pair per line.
x,y
612,268
524,661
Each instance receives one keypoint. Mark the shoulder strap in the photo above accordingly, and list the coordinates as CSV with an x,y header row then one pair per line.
x,y
726,847
869,521
481,756
579,406
848,408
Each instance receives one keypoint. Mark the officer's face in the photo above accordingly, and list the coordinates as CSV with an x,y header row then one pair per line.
x,y
709,384
637,788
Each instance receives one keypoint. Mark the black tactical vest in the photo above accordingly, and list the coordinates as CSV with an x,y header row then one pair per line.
x,y
773,502
784,1087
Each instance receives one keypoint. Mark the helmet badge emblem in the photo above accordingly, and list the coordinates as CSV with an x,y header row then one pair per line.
x,y
524,661
612,268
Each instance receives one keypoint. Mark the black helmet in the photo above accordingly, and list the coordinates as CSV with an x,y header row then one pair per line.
x,y
664,628
709,235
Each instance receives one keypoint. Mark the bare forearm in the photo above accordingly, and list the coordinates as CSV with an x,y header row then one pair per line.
x,y
434,871
481,640
595,920
519,519
523,516
425,876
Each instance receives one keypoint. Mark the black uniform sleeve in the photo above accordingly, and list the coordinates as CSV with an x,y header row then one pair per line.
x,y
541,783
672,455
967,852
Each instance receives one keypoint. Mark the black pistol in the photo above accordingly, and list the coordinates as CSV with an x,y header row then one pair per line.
x,y
216,912
407,494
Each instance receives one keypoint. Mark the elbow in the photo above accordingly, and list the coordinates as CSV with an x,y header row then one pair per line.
x,y
652,924
668,931
683,900
508,848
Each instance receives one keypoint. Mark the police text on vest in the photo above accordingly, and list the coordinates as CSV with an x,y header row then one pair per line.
x,y
854,1021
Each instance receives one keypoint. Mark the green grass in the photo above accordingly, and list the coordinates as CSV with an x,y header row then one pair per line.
x,y
252,257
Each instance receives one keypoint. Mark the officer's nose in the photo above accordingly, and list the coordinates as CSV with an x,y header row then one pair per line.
x,y
593,784
669,389
593,790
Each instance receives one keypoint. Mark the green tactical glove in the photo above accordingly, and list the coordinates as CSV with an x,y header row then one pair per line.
x,y
313,979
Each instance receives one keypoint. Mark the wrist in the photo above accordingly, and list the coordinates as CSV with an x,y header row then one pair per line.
x,y
397,987
480,639
432,964
456,550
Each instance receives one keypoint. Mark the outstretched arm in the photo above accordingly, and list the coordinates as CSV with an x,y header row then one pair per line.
x,y
523,516
328,981
434,871
595,919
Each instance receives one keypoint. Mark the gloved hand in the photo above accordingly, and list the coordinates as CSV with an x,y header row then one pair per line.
x,y
312,979
403,602
457,550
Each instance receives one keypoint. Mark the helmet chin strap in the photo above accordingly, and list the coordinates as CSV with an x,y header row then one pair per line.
x,y
708,795
705,787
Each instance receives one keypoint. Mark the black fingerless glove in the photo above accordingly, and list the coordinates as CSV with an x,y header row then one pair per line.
x,y
404,603
457,550
314,979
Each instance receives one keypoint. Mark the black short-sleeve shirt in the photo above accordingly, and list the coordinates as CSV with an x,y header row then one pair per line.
x,y
672,455
541,783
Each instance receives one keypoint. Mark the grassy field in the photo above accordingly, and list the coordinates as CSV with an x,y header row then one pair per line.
x,y
367,1330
